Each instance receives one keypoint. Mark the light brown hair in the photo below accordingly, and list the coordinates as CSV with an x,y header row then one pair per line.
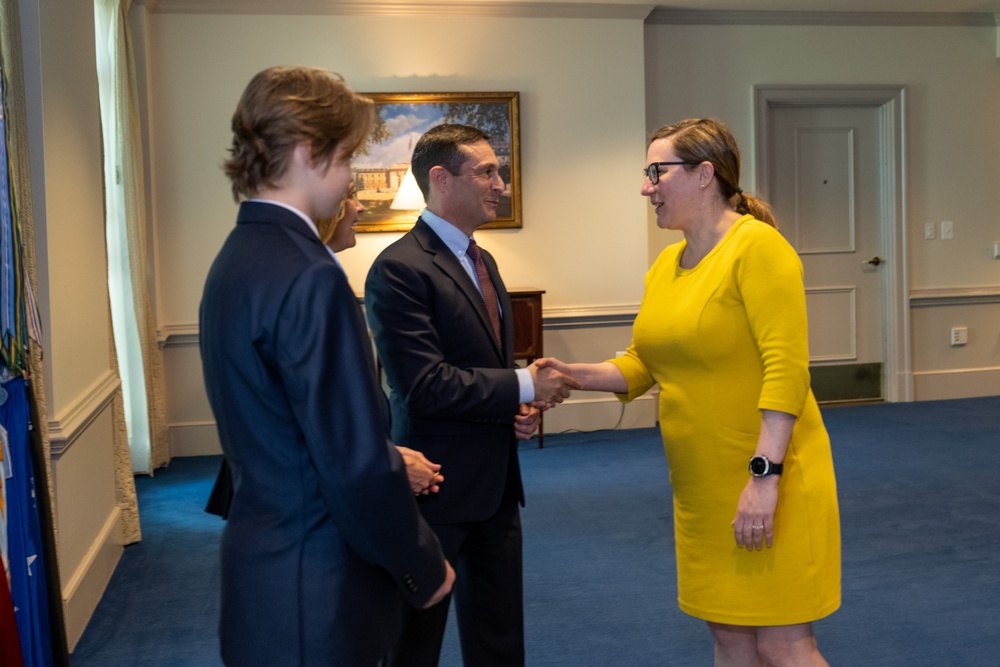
x,y
284,106
698,140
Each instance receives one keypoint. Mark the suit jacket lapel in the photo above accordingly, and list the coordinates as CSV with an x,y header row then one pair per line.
x,y
445,259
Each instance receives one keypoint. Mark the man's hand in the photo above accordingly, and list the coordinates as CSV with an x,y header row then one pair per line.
x,y
526,421
449,580
552,386
424,476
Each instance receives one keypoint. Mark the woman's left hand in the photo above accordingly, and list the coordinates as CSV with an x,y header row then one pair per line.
x,y
754,523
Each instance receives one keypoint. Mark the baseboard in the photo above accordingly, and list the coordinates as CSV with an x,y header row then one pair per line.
x,y
86,586
601,412
194,439
960,383
580,414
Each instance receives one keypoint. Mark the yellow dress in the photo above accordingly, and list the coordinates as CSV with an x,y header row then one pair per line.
x,y
724,340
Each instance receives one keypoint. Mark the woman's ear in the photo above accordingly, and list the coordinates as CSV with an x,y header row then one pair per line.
x,y
706,170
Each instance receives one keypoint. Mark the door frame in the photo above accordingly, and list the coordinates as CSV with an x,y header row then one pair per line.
x,y
890,101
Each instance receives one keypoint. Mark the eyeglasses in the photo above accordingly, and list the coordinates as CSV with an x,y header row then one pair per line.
x,y
652,170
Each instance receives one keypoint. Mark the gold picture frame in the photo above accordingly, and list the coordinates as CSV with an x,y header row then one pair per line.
x,y
381,167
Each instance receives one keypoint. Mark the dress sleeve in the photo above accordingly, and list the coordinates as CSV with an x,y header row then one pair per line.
x,y
638,377
637,374
769,275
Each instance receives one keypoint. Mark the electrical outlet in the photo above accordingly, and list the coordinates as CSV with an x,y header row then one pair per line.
x,y
620,353
959,336
947,229
929,231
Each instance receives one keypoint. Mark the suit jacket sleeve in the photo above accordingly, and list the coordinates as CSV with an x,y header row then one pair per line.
x,y
436,351
329,379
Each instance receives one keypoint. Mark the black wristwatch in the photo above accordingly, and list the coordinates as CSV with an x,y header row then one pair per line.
x,y
760,466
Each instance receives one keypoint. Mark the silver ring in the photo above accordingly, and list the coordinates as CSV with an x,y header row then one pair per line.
x,y
757,527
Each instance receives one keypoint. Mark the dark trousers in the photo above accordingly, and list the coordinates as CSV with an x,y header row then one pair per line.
x,y
488,592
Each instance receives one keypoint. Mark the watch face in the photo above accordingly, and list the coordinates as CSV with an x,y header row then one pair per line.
x,y
758,465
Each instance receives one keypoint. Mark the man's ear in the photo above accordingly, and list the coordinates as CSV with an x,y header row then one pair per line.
x,y
439,177
302,154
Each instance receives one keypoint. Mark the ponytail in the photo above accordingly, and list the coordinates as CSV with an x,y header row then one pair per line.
x,y
748,204
698,140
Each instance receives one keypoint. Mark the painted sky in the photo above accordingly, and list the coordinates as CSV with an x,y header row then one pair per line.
x,y
406,122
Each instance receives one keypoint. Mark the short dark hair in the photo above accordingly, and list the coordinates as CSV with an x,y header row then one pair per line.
x,y
440,146
284,106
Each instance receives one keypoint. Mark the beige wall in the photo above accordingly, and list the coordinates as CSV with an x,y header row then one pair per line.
x,y
65,153
584,120
582,134
589,90
952,80
582,142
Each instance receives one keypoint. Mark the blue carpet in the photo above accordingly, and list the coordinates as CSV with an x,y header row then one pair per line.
x,y
919,487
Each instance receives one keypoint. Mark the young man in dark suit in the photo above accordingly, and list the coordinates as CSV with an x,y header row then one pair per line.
x,y
444,333
324,541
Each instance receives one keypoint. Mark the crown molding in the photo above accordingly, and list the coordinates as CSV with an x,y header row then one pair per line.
x,y
652,13
496,8
666,16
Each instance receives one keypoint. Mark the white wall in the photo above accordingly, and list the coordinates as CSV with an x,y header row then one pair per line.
x,y
952,79
582,140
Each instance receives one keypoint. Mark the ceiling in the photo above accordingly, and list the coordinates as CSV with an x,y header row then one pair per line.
x,y
908,6
562,7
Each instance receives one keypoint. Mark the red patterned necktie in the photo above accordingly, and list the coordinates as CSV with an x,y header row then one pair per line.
x,y
486,285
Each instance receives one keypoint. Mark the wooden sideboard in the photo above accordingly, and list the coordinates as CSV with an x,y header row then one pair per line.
x,y
526,304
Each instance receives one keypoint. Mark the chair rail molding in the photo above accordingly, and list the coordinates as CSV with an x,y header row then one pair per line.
x,y
954,296
74,420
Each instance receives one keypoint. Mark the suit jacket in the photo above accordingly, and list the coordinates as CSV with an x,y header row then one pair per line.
x,y
454,393
324,539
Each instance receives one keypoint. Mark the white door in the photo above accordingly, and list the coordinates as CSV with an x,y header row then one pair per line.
x,y
825,191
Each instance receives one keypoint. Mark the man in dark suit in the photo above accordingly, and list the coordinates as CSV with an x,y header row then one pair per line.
x,y
324,540
444,333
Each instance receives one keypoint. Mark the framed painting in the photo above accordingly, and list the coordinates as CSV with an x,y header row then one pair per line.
x,y
381,172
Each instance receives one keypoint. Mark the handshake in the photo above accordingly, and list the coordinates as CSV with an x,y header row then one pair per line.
x,y
553,382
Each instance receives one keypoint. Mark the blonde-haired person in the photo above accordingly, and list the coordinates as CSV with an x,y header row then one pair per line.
x,y
722,330
338,233
323,542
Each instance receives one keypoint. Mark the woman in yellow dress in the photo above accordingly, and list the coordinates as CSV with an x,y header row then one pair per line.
x,y
722,330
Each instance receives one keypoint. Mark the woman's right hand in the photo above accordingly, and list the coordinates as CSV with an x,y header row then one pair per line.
x,y
602,376
423,475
